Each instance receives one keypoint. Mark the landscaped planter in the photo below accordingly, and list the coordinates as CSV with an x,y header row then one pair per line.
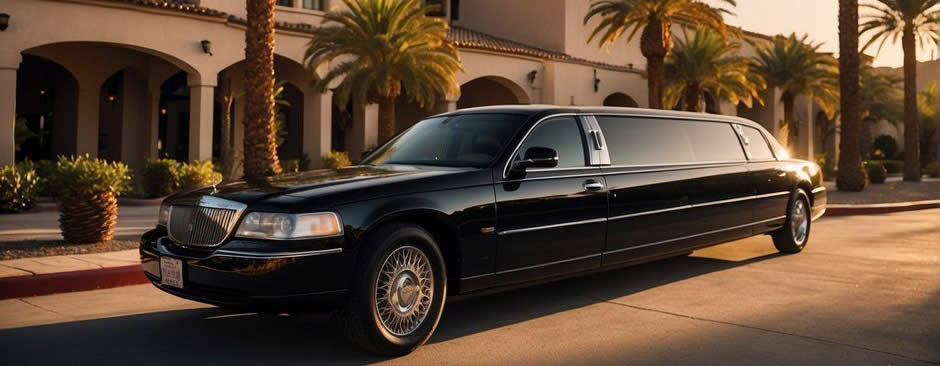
x,y
87,191
89,219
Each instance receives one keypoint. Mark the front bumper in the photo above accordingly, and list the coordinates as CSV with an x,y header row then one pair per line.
x,y
310,275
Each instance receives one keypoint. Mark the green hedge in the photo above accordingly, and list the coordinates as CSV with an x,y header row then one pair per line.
x,y
162,177
336,159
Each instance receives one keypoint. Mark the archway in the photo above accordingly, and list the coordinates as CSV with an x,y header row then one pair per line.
x,y
620,100
174,118
47,101
290,114
491,90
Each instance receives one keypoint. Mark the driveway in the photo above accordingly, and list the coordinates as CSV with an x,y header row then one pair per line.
x,y
865,292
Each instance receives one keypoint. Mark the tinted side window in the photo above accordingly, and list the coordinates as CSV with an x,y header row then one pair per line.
x,y
755,144
642,141
714,141
563,135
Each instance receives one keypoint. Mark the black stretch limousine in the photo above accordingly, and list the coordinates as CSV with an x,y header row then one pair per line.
x,y
481,199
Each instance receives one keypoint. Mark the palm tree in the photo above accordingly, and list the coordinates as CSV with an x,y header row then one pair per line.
x,y
384,48
796,67
879,99
260,142
914,21
655,18
706,62
851,176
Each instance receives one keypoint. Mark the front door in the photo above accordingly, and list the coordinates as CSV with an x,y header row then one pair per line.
x,y
551,221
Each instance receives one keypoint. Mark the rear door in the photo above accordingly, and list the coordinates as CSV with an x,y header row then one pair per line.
x,y
673,185
551,221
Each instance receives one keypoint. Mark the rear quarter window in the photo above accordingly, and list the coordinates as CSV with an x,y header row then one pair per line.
x,y
755,144
653,141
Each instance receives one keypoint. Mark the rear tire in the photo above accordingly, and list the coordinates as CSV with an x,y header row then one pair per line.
x,y
794,234
398,292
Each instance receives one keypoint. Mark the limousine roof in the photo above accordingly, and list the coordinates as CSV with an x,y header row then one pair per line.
x,y
540,110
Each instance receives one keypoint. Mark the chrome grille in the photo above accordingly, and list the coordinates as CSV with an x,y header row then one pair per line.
x,y
201,225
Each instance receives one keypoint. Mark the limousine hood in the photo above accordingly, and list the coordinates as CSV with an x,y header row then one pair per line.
x,y
329,187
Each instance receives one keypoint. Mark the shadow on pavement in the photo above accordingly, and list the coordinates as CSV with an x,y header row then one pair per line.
x,y
219,337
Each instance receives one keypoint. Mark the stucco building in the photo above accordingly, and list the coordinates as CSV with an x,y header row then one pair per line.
x,y
137,79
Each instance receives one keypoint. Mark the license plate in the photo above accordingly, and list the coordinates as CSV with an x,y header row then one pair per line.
x,y
171,272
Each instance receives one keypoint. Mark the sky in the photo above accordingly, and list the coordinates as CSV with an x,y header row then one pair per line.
x,y
818,18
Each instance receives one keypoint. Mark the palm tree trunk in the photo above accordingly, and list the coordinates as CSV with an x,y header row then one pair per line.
x,y
851,176
228,97
386,118
911,133
693,98
260,140
655,44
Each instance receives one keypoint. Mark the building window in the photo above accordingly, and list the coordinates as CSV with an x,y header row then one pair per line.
x,y
313,4
287,3
454,9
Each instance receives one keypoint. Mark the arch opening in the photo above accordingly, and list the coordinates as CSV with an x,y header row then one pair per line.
x,y
490,90
620,100
46,104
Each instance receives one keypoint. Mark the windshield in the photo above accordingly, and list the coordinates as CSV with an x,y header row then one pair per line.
x,y
469,140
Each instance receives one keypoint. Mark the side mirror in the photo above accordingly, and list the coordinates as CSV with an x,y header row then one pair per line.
x,y
539,157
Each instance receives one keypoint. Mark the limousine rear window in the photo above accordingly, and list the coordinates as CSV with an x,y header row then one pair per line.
x,y
647,141
468,140
756,146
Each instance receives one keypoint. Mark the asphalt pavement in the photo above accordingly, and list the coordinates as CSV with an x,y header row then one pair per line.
x,y
866,291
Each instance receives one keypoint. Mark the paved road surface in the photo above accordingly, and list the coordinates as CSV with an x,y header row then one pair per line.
x,y
865,292
133,221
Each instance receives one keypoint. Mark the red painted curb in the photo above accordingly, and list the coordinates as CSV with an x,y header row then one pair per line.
x,y
883,208
53,283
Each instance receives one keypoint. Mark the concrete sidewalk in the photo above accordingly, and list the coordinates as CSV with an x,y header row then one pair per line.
x,y
67,263
68,273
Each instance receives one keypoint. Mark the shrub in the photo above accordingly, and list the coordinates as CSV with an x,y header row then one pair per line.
x,y
18,187
336,160
827,165
290,165
87,189
197,175
892,166
877,173
932,169
160,177
44,170
888,146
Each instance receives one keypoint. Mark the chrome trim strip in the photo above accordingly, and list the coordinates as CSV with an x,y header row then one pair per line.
x,y
694,235
722,162
623,249
653,212
706,204
594,174
819,189
535,228
259,255
757,197
561,169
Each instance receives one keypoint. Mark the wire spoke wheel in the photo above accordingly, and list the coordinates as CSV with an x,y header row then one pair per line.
x,y
404,289
799,221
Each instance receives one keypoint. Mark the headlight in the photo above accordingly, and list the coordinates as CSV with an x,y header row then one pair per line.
x,y
269,225
164,216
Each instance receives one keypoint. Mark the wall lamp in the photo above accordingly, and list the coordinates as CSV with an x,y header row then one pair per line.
x,y
597,82
206,46
531,76
4,21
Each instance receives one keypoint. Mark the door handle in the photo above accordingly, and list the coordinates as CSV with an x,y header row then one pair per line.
x,y
593,185
781,172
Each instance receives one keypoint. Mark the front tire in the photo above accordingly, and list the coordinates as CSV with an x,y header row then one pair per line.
x,y
794,234
398,293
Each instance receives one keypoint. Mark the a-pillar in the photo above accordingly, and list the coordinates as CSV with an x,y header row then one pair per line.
x,y
318,126
8,112
201,103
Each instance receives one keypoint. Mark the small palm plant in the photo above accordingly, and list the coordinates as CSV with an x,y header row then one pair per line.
x,y
709,63
87,194
795,66
914,21
653,18
384,48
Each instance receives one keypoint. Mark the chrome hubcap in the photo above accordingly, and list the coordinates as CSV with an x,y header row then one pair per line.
x,y
403,290
799,221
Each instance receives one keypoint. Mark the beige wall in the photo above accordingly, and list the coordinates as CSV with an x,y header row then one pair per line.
x,y
533,22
